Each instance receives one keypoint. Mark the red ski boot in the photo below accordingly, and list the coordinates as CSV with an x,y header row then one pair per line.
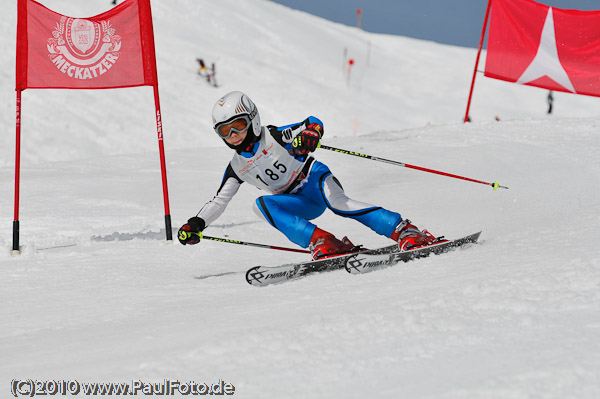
x,y
409,236
325,245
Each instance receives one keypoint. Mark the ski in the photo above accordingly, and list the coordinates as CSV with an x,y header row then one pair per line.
x,y
367,262
264,275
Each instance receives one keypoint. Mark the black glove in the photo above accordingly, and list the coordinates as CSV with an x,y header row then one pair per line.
x,y
191,232
307,140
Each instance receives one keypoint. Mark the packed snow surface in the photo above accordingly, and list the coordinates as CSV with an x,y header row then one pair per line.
x,y
97,295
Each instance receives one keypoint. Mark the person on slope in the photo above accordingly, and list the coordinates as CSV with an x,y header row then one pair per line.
x,y
278,161
207,74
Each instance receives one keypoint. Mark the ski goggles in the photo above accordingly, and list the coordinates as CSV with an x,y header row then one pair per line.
x,y
239,124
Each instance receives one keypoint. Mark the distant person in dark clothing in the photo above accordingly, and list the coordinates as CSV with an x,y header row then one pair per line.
x,y
208,74
550,100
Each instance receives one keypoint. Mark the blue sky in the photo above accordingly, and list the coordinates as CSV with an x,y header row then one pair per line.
x,y
456,22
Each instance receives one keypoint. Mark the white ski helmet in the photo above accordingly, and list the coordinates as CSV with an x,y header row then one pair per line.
x,y
232,106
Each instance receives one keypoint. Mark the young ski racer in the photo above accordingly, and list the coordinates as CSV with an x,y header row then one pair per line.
x,y
278,160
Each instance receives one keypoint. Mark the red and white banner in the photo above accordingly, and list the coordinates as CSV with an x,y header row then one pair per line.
x,y
534,44
110,50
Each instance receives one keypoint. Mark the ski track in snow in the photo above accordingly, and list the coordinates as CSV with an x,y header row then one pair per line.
x,y
98,295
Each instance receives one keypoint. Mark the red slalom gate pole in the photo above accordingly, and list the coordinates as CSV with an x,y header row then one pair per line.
x,y
485,20
163,167
15,248
494,185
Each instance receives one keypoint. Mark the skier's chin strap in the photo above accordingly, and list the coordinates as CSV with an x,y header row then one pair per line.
x,y
249,145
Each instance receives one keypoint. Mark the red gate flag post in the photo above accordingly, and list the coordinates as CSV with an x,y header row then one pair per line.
x,y
350,64
533,44
485,20
111,50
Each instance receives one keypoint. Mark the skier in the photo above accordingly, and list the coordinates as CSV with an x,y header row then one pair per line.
x,y
203,71
278,160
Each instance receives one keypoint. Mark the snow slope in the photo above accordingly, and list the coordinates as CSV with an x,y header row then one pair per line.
x,y
97,295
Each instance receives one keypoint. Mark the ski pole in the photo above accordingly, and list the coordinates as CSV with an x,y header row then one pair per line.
x,y
495,184
250,244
